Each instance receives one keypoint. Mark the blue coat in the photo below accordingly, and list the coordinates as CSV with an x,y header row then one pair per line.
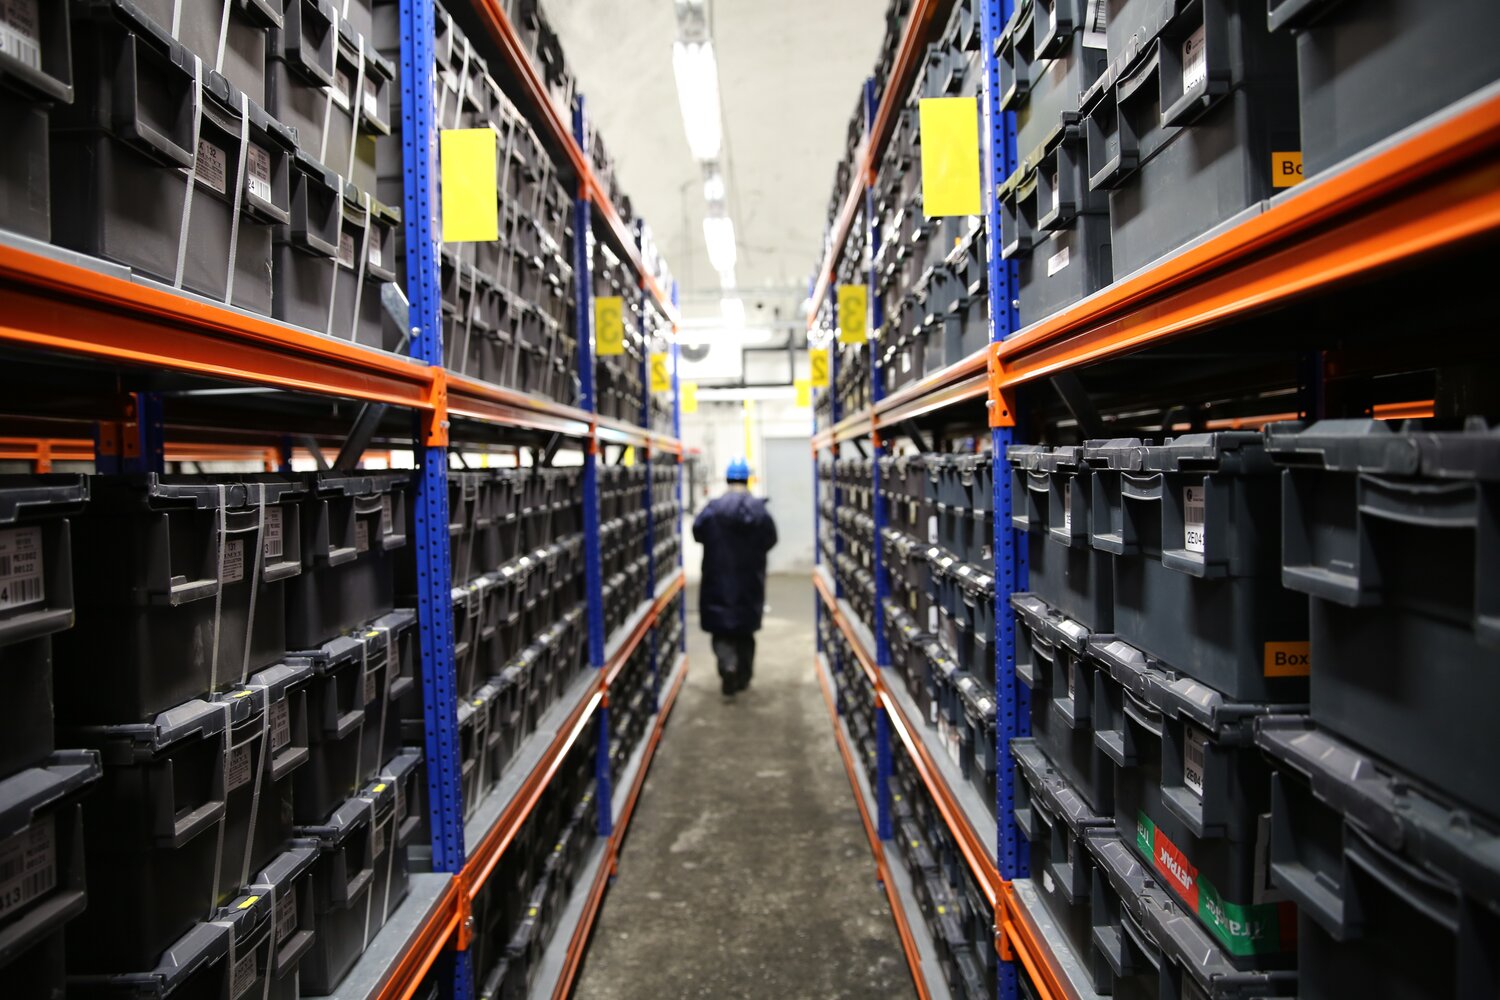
x,y
736,532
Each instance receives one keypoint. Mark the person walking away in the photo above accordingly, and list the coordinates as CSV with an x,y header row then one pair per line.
x,y
736,531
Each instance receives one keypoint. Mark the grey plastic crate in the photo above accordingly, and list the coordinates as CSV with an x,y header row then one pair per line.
x,y
344,914
113,150
36,72
1348,51
1388,530
232,42
1398,894
287,883
40,821
185,591
1192,794
1145,945
197,964
1053,817
1051,661
1183,134
1190,525
1047,60
1051,488
36,590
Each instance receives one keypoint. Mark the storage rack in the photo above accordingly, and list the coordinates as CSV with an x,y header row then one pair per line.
x,y
1410,203
62,309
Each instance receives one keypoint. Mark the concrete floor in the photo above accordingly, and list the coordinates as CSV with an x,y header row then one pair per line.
x,y
746,872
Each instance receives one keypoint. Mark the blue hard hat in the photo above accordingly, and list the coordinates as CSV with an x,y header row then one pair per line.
x,y
738,471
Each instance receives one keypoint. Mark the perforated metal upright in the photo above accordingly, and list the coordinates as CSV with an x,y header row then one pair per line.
x,y
430,497
1013,699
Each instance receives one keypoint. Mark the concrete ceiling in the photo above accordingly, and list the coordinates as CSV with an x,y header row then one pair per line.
x,y
790,73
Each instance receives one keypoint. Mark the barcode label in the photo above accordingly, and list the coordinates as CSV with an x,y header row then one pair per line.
x,y
22,579
387,515
234,561
213,166
20,34
372,682
281,724
400,812
1057,262
275,543
286,914
1095,23
372,99
1194,757
379,840
1056,191
238,771
258,174
1068,508
346,249
1072,682
341,89
1194,61
375,257
28,866
1194,516
244,974
361,535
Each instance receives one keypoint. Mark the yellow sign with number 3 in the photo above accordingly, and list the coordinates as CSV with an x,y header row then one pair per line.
x,y
609,325
854,304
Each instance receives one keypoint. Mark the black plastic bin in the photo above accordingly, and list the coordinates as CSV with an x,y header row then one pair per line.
x,y
1397,893
185,595
287,882
232,41
210,961
1051,489
1349,51
1192,794
36,72
1191,525
1390,531
42,858
345,912
393,828
352,525
36,554
1048,57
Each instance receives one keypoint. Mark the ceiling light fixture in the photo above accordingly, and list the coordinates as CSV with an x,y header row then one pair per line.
x,y
718,233
697,73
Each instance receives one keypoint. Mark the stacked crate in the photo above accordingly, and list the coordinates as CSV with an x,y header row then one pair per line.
x,y
666,517
853,521
624,512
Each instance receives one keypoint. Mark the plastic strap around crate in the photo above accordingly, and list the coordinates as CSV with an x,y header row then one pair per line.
x,y
192,182
260,555
223,36
260,773
359,267
220,544
228,749
239,193
356,109
177,16
266,891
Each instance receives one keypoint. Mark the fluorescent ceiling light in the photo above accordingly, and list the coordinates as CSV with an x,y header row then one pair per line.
x,y
727,281
718,233
713,186
733,311
697,73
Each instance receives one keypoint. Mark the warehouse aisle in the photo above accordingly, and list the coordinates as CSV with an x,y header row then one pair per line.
x,y
747,873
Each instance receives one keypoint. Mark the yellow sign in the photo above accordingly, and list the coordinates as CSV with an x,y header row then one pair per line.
x,y
471,199
609,325
1286,169
629,460
804,393
689,397
1288,659
661,372
818,357
854,305
950,156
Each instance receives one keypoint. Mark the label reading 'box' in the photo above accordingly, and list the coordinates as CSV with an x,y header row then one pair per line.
x,y
22,579
28,866
1287,659
20,32
1194,518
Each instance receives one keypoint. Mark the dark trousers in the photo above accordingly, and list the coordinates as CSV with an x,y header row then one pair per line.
x,y
736,655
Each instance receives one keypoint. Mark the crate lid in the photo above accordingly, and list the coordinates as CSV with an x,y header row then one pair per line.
x,y
1233,453
351,815
1412,448
61,776
1053,792
286,867
29,497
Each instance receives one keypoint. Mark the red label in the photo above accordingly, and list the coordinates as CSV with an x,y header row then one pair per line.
x,y
1176,868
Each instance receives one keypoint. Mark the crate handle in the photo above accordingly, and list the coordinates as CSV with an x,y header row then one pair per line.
x,y
1428,504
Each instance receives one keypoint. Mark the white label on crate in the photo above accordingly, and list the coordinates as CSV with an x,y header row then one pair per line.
x,y
28,866
932,713
387,515
932,619
244,975
953,743
1048,886
379,839
905,362
372,682
341,89
400,811
1194,757
1194,516
372,98
346,250
275,541
361,534
1056,191
1057,262
1072,681
234,561
1068,508
281,724
238,771
932,529
20,34
213,166
286,914
22,579
1095,22
374,257
258,174
1194,61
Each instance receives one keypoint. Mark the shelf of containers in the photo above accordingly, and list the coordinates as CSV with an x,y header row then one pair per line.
x,y
1305,300
82,314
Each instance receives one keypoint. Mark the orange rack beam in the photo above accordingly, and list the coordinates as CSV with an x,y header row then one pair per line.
x,y
908,58
534,97
978,854
1427,193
